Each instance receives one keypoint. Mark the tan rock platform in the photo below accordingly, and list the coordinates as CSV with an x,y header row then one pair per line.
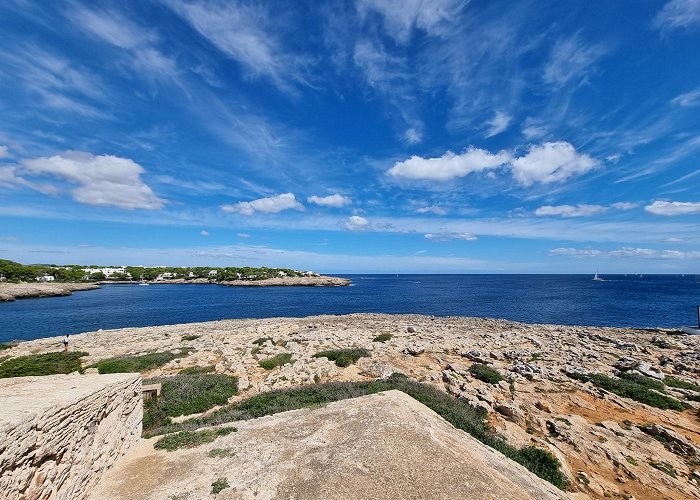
x,y
384,446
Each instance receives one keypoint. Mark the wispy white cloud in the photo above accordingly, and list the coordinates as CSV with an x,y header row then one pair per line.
x,y
269,205
625,253
401,18
204,233
248,34
673,208
334,200
689,99
103,180
356,223
582,210
570,210
61,84
571,59
432,209
499,123
4,152
450,236
678,14
10,179
116,29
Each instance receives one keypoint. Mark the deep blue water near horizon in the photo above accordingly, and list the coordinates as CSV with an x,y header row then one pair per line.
x,y
652,301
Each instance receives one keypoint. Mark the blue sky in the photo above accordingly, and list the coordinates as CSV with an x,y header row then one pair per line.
x,y
357,136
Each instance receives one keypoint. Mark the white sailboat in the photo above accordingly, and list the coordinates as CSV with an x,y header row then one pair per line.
x,y
596,277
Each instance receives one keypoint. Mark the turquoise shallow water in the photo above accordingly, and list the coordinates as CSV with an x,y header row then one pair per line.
x,y
651,301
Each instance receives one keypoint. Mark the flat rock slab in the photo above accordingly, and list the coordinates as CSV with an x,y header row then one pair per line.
x,y
383,446
22,398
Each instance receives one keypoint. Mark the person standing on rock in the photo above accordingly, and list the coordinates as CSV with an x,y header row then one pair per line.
x,y
66,339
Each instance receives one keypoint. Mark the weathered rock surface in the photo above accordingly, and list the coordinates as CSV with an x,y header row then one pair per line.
x,y
292,281
590,430
13,291
384,446
59,434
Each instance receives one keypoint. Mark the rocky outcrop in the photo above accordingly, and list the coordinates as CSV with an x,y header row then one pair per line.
x,y
12,291
292,281
596,434
59,434
383,446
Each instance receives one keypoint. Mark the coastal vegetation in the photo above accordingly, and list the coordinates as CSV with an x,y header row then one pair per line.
x,y
681,384
139,363
189,439
194,370
275,361
185,394
382,337
485,373
188,338
218,486
633,386
343,357
51,363
456,411
15,272
6,346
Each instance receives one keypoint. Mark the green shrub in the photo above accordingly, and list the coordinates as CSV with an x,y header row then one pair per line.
x,y
274,362
221,453
196,370
185,395
6,346
343,357
681,384
664,467
190,439
485,373
262,340
642,390
456,411
51,363
218,486
382,337
190,337
644,381
142,363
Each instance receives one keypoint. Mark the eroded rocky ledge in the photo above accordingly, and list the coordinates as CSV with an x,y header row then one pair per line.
x,y
13,291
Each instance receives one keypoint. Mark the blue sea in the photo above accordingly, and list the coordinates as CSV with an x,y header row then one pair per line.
x,y
649,301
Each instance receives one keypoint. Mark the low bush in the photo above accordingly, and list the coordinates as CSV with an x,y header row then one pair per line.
x,y
6,346
382,337
681,384
185,395
343,357
456,411
142,363
665,467
262,340
642,389
190,337
195,370
218,486
190,439
275,361
485,373
51,363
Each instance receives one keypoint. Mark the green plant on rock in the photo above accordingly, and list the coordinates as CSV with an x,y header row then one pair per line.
x,y
485,373
275,361
382,337
51,363
218,486
196,370
191,439
139,363
190,337
343,357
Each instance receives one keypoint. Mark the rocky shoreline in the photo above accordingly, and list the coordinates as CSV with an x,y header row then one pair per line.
x,y
14,291
610,446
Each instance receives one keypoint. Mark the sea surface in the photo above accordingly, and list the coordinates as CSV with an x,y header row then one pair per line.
x,y
649,301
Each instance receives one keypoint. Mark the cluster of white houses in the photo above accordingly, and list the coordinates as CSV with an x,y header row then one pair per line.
x,y
111,272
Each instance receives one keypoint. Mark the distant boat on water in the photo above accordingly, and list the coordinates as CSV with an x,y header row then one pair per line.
x,y
596,277
143,283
